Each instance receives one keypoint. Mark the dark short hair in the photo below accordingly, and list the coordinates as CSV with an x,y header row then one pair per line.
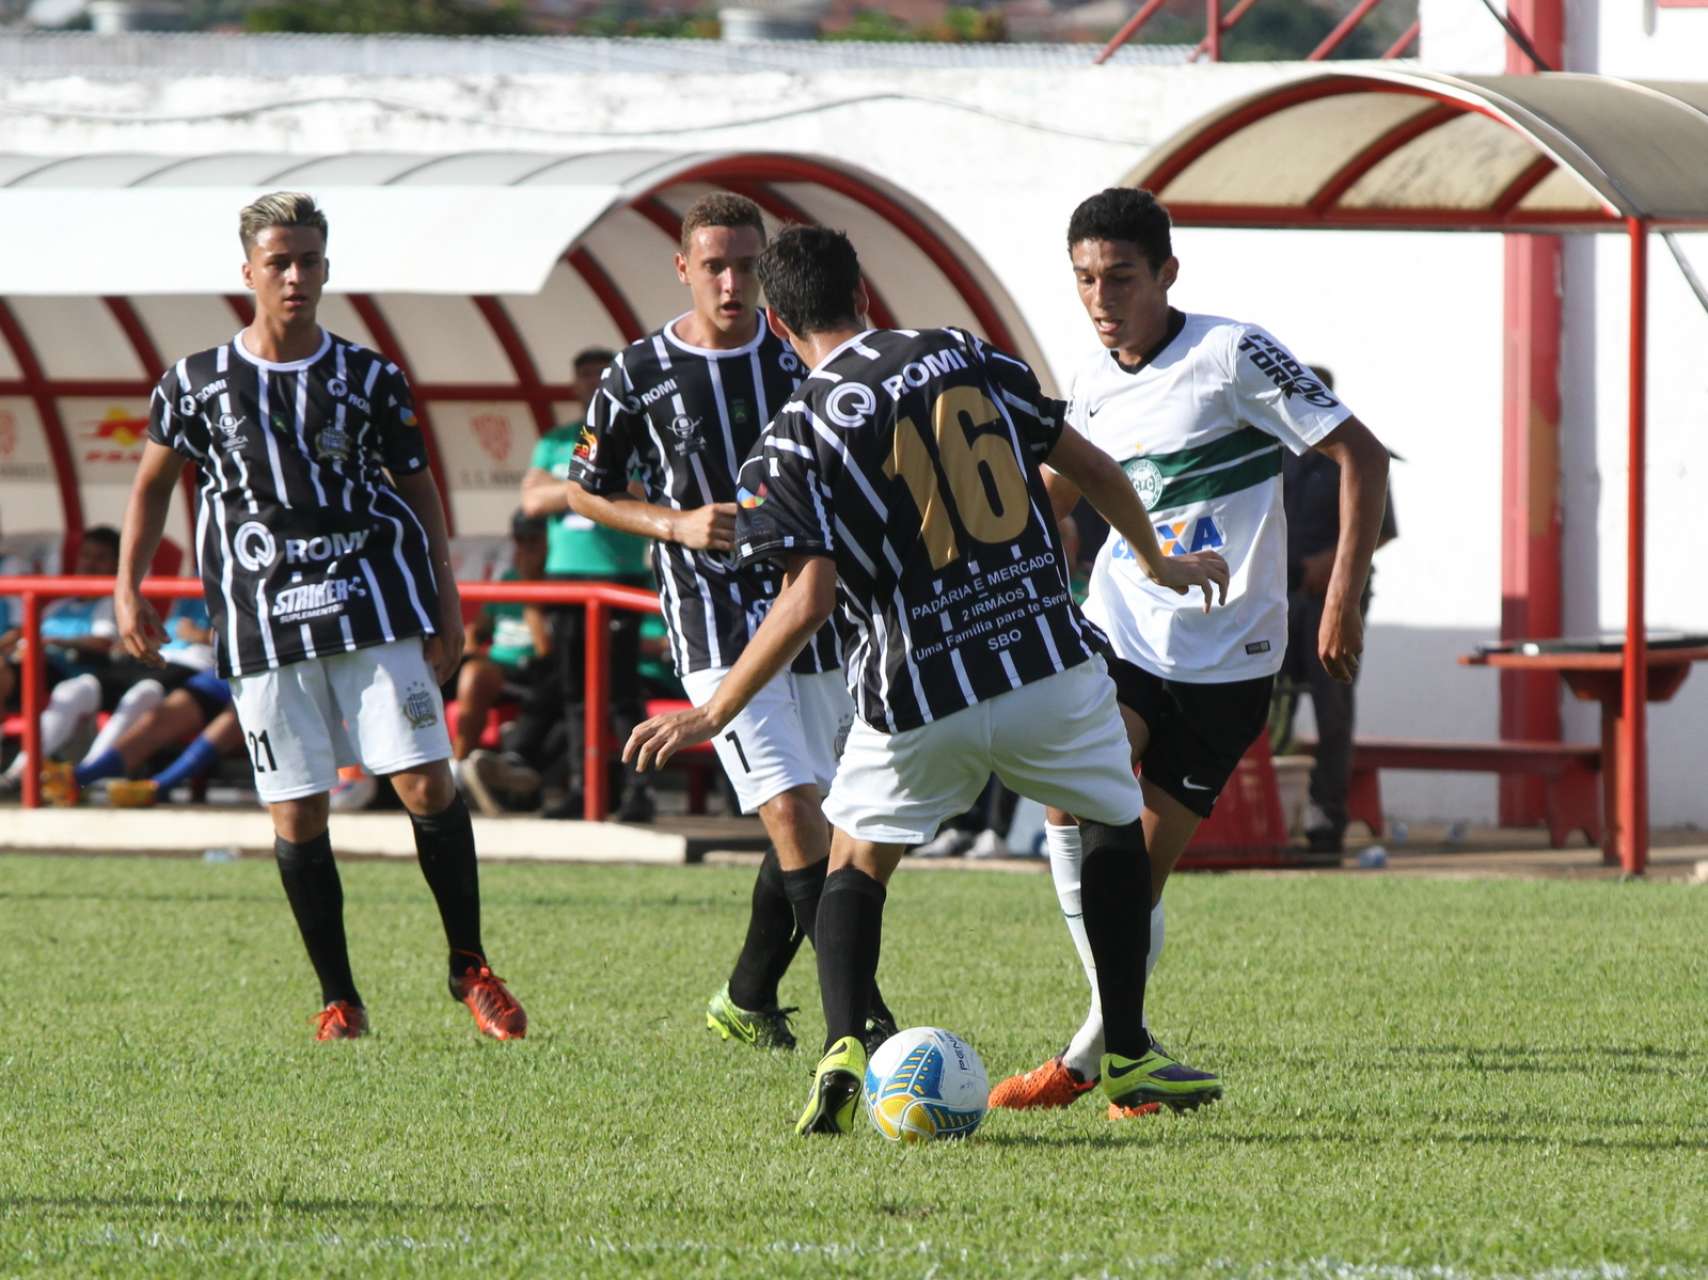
x,y
1325,375
103,535
600,356
721,209
809,275
1124,213
524,527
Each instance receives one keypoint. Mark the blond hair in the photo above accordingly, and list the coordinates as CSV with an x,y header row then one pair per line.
x,y
279,209
721,209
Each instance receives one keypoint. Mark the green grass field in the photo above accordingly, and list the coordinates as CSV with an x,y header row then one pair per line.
x,y
1425,1079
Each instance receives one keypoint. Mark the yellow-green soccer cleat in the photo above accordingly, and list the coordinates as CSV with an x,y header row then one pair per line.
x,y
836,1085
1156,1077
761,1028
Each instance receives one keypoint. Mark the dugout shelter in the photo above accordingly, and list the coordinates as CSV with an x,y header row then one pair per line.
x,y
481,273
1419,151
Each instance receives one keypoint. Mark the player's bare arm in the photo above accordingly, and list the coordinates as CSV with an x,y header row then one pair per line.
x,y
140,629
807,600
1064,493
1101,479
1363,495
444,649
543,494
707,528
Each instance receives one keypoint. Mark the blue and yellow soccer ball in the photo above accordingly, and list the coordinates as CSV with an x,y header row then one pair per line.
x,y
923,1084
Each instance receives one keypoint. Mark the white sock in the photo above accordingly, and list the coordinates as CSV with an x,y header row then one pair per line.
x,y
140,699
70,702
1085,1051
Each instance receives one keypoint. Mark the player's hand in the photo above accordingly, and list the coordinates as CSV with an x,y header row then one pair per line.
x,y
1340,642
1203,569
707,528
140,629
652,744
443,651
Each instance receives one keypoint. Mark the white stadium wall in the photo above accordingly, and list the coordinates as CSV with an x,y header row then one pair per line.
x,y
1411,323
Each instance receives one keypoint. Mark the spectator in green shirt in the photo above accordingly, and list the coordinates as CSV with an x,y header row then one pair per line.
x,y
576,548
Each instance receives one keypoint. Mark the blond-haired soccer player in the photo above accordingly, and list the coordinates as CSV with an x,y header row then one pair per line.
x,y
322,548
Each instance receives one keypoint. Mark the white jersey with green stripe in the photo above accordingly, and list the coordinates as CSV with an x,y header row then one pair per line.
x,y
1199,429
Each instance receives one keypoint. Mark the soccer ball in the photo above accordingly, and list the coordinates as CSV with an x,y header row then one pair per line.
x,y
924,1083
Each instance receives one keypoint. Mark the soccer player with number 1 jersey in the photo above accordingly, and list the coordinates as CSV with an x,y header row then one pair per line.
x,y
322,546
682,407
1196,409
903,478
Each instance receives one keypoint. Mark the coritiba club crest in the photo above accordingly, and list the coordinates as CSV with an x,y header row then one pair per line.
x,y
1146,478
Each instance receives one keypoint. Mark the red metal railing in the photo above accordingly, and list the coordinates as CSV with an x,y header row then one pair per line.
x,y
599,598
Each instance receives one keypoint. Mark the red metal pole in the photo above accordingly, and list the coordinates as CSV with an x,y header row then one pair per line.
x,y
1531,576
1333,39
1213,28
1146,12
1407,39
33,676
593,748
1234,15
1633,728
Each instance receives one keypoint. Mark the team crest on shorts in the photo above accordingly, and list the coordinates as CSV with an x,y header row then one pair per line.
x,y
332,445
419,708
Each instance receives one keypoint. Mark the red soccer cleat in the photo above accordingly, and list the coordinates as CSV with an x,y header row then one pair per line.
x,y
1053,1085
496,1012
340,1020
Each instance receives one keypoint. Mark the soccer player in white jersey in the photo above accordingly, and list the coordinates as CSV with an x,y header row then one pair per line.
x,y
322,546
902,481
1196,409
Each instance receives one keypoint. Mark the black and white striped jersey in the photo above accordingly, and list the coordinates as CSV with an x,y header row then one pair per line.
x,y
304,546
682,418
912,458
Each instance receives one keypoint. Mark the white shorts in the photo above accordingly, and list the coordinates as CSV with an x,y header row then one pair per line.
x,y
378,707
1059,740
789,736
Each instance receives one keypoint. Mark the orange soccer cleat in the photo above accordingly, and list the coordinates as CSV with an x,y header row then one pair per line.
x,y
1118,1112
340,1020
1055,1084
496,1012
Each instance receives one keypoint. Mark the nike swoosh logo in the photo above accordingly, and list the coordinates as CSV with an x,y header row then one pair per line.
x,y
1118,1073
1092,413
1191,785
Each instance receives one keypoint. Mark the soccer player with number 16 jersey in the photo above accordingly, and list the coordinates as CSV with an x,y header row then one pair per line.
x,y
324,563
903,477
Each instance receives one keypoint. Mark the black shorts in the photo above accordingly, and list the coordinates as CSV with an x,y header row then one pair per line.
x,y
1198,732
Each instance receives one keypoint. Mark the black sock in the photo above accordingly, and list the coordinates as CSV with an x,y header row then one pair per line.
x,y
850,934
771,940
444,845
1115,893
804,888
316,896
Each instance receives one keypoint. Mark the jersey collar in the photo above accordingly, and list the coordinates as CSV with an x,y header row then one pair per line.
x,y
272,366
1176,323
847,344
715,353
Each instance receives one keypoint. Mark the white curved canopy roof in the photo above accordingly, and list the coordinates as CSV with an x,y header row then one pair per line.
x,y
1414,149
482,273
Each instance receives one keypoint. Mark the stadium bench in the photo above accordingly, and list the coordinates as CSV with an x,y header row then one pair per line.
x,y
1572,790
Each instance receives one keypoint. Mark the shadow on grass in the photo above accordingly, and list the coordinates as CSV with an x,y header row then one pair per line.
x,y
1636,1060
1363,1141
221,1206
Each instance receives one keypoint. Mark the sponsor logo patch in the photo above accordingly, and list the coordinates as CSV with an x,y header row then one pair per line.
x,y
316,599
1278,365
747,499
253,545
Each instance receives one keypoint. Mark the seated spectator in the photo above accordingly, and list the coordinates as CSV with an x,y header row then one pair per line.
x,y
77,636
222,737
167,706
502,658
579,550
